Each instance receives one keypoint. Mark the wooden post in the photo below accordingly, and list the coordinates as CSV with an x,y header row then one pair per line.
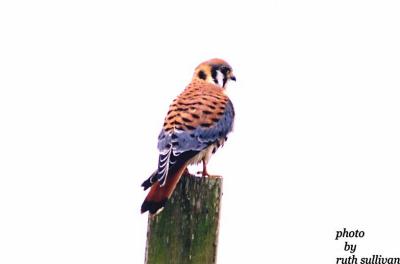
x,y
186,231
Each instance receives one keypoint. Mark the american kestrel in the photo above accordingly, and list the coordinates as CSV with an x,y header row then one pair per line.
x,y
196,125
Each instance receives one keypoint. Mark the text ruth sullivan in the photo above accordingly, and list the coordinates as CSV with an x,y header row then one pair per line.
x,y
374,259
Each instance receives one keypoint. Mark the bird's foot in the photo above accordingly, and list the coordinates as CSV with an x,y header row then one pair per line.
x,y
206,174
203,174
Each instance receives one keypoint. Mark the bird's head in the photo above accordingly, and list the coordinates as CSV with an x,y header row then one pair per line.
x,y
215,71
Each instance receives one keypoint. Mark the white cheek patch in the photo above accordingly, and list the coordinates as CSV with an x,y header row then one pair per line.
x,y
220,78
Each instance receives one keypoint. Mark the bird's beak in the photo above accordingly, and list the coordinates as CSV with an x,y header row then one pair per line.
x,y
233,78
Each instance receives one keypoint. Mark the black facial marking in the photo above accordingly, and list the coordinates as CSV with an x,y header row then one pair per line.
x,y
207,112
214,69
224,81
224,71
202,75
205,125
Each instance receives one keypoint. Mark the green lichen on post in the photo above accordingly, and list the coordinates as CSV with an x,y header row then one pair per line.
x,y
186,231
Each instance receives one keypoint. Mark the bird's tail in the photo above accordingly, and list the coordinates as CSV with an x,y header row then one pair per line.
x,y
158,195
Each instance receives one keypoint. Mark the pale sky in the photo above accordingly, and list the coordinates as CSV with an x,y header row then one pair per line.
x,y
85,86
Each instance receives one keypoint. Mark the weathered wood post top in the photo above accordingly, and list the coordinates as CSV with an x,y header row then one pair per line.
x,y
186,231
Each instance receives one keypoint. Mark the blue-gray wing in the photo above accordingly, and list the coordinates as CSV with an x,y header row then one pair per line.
x,y
190,128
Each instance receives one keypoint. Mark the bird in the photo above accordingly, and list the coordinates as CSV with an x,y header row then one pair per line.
x,y
196,125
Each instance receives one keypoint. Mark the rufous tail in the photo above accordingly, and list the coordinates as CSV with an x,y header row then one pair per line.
x,y
159,195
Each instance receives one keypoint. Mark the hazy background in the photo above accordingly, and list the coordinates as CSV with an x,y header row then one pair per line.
x,y
85,85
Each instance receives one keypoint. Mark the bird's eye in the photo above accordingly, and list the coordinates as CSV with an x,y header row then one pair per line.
x,y
225,70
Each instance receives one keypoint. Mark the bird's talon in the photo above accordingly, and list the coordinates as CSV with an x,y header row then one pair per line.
x,y
203,174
